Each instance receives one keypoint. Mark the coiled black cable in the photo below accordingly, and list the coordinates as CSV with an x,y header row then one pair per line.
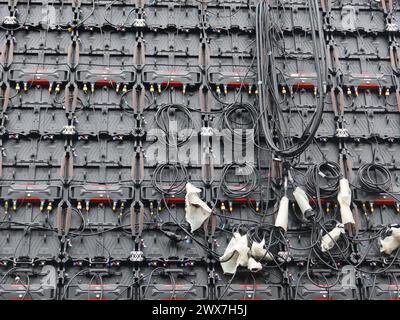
x,y
239,189
162,119
231,110
381,182
177,181
322,180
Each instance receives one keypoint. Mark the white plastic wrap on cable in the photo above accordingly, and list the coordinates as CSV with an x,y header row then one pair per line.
x,y
253,265
236,254
283,213
302,200
392,242
344,199
243,249
328,240
259,252
197,211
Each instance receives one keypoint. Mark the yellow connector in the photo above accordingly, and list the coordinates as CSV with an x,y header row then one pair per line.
x,y
151,208
356,91
387,92
159,88
225,89
117,88
79,205
151,88
218,90
49,207
50,87
348,91
92,87
58,89
17,87
15,205
283,90
85,88
6,206
41,206
25,86
114,206
87,205
222,206
125,89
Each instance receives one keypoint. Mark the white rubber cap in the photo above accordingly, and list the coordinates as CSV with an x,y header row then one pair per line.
x,y
283,214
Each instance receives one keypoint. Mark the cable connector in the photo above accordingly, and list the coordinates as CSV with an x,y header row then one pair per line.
x,y
174,237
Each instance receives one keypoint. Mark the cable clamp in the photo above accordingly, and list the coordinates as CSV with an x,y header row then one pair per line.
x,y
140,23
392,27
136,256
8,20
69,130
206,132
342,133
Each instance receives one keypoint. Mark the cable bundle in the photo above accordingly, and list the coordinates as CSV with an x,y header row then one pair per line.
x,y
170,184
239,189
162,119
269,37
229,112
374,177
316,175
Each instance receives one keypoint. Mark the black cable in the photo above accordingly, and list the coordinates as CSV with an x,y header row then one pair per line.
x,y
170,178
272,122
323,180
239,189
381,182
171,235
163,121
232,110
